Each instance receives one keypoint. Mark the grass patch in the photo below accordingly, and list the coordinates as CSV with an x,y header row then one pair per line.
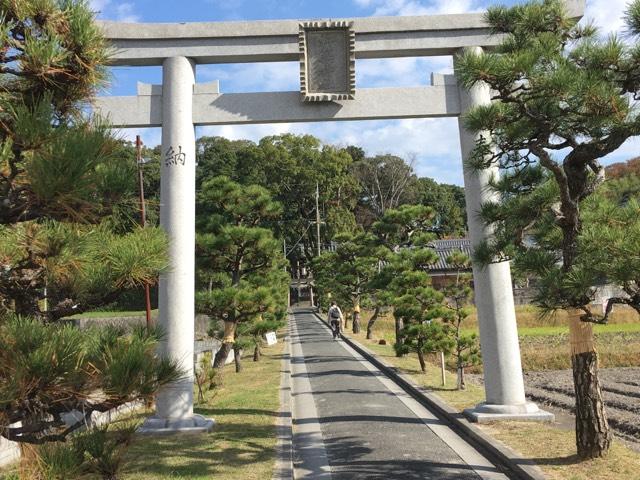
x,y
553,449
545,331
551,352
432,379
544,343
242,444
110,314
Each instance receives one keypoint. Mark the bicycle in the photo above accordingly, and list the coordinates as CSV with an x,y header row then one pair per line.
x,y
335,328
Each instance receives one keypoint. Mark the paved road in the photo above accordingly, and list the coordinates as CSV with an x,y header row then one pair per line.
x,y
351,422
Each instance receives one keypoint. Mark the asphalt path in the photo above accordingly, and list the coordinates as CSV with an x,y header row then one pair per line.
x,y
351,422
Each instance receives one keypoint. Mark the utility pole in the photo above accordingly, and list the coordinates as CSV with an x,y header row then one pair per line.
x,y
143,221
284,249
318,215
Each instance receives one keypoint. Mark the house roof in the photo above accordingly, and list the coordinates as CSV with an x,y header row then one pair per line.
x,y
444,248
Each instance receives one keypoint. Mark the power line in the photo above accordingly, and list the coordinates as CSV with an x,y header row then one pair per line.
x,y
301,237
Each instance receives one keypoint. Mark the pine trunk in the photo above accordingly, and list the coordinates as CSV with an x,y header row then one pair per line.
x,y
372,322
461,383
356,322
423,364
399,337
593,437
227,344
237,359
222,355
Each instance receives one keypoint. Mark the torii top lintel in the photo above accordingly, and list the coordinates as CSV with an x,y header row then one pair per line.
x,y
142,44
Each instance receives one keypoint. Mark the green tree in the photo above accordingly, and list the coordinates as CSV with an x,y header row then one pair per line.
x,y
610,248
466,349
420,307
61,182
241,258
357,153
348,273
49,370
560,104
386,182
403,232
290,167
253,333
240,160
449,205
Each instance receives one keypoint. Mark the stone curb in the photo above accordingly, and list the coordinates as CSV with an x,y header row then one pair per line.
x,y
284,426
508,459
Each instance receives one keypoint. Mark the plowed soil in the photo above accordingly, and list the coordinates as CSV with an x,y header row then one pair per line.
x,y
620,389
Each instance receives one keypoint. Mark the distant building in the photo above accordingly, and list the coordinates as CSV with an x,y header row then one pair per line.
x,y
441,272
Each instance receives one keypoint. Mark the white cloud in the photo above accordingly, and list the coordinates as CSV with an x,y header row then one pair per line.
x,y
125,13
398,72
607,14
98,5
120,11
420,7
627,150
433,142
245,132
150,136
254,77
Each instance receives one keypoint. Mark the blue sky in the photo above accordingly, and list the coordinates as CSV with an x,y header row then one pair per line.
x,y
431,144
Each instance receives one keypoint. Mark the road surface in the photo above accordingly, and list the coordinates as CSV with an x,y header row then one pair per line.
x,y
352,422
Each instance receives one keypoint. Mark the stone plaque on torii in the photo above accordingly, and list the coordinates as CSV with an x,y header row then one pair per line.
x,y
327,51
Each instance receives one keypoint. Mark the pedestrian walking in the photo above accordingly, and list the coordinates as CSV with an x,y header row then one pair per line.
x,y
335,319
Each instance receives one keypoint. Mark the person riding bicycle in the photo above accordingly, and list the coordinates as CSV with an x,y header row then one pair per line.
x,y
335,319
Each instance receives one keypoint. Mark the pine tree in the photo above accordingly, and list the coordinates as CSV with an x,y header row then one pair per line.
x,y
239,256
348,273
421,309
60,184
405,231
560,104
466,348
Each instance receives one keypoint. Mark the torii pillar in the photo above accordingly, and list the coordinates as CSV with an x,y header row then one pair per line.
x,y
503,381
174,402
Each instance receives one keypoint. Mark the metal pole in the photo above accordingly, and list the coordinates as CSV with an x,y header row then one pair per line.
x,y
318,215
143,221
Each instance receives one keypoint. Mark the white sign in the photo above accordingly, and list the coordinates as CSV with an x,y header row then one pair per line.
x,y
271,338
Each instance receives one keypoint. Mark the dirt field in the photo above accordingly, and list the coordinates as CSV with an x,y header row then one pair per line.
x,y
621,390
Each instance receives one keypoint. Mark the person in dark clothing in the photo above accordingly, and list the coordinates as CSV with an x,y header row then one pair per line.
x,y
335,319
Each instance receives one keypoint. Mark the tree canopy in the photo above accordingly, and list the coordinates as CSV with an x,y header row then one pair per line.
x,y
64,247
562,100
239,261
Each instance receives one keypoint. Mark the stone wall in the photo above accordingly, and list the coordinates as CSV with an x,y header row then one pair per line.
x,y
201,322
9,452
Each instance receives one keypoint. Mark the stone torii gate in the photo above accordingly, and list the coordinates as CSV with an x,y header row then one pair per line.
x,y
327,51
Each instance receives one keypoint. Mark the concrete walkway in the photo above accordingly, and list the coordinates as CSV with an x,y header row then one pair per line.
x,y
350,421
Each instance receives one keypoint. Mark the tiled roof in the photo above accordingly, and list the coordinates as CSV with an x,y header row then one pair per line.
x,y
444,248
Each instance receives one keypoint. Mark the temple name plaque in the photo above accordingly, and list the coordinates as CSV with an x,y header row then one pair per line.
x,y
327,61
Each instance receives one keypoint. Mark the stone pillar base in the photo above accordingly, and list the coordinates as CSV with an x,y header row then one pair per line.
x,y
527,412
168,426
